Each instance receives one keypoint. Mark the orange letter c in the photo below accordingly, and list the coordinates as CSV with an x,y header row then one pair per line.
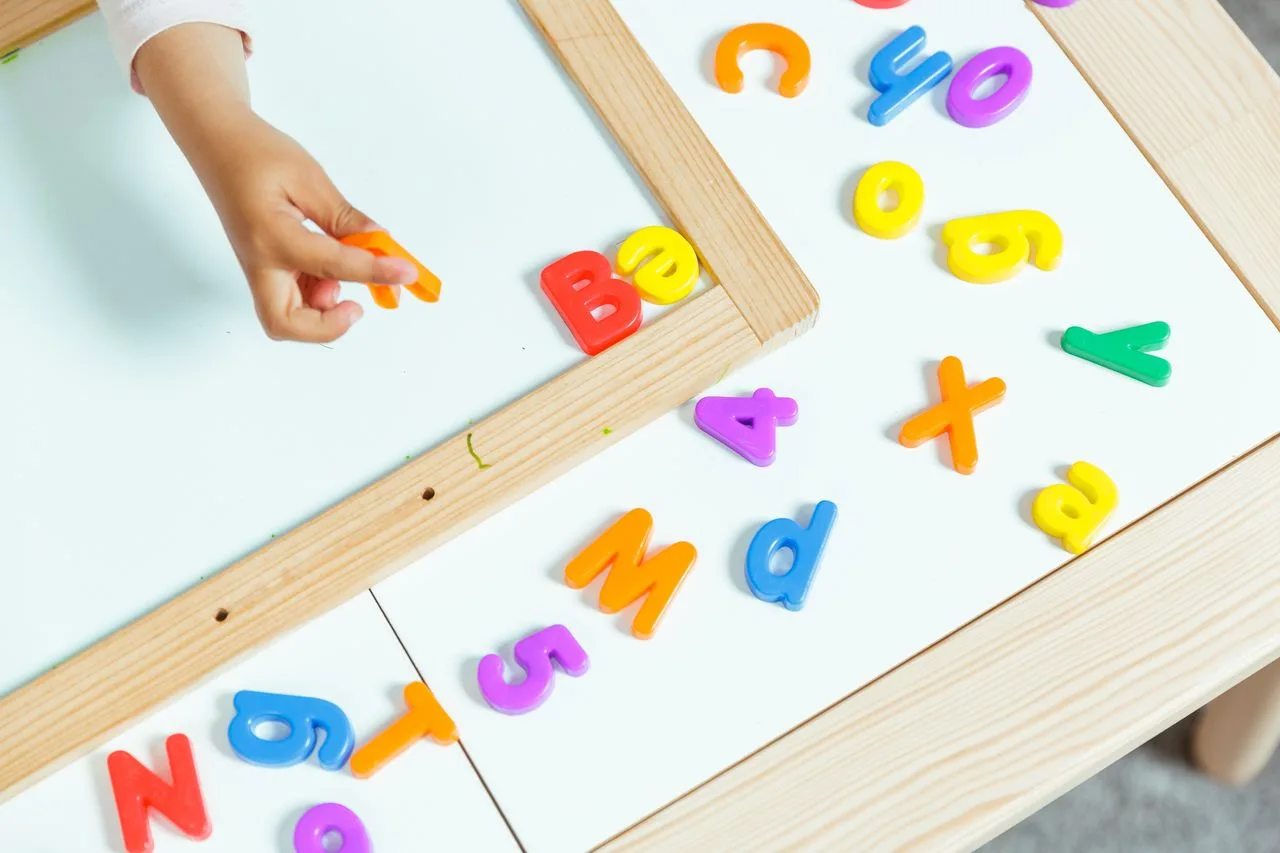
x,y
773,37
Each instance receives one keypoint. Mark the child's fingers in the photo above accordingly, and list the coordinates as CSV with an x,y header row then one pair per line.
x,y
324,257
324,205
322,327
321,295
286,317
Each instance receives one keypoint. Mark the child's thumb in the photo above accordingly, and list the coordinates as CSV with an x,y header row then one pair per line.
x,y
329,209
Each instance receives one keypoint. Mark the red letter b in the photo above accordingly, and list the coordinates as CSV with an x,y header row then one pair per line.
x,y
581,284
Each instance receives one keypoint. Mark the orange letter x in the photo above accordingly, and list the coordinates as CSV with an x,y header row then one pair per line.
x,y
954,414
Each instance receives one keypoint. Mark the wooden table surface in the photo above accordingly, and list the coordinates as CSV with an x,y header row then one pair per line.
x,y
988,725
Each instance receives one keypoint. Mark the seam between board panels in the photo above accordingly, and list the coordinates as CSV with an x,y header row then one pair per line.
x,y
461,745
343,551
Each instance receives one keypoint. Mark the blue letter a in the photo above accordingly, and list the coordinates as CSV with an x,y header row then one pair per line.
x,y
806,545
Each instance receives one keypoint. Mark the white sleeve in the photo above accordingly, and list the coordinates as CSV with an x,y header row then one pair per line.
x,y
131,23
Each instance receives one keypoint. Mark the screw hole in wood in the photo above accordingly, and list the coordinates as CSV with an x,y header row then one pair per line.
x,y
221,615
428,494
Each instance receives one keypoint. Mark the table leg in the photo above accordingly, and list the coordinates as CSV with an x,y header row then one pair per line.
x,y
1238,732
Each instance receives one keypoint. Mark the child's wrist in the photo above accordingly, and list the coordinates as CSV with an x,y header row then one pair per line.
x,y
195,77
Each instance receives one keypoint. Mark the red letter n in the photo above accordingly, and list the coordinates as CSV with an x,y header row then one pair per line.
x,y
623,547
137,790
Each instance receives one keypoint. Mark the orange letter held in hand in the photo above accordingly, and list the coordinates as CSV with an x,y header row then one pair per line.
x,y
426,288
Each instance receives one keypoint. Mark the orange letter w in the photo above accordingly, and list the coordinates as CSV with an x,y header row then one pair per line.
x,y
623,547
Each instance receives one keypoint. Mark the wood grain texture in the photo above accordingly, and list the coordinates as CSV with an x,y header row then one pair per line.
x,y
1204,107
25,21
1021,705
366,538
683,170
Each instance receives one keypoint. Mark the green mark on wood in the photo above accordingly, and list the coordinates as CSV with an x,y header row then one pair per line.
x,y
9,57
476,456
1126,351
607,431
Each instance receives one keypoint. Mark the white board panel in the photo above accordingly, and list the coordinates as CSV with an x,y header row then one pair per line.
x,y
149,433
918,550
428,798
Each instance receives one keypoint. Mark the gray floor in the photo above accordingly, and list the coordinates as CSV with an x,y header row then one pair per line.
x,y
1152,801
1260,19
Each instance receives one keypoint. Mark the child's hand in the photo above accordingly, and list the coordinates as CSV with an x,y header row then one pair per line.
x,y
263,185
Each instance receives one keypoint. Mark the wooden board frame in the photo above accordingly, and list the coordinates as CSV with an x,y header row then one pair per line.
x,y
761,299
978,731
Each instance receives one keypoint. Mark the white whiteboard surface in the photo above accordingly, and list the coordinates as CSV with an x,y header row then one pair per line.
x,y
908,560
429,798
150,434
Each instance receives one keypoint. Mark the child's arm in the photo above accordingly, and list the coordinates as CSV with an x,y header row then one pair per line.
x,y
262,184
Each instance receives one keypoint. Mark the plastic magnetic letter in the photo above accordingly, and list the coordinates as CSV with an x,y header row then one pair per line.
x,y
319,821
954,414
747,425
427,285
1056,4
303,716
881,4
782,41
889,176
582,284
1000,104
534,654
424,717
898,89
1012,234
806,545
137,790
671,273
1126,351
621,550
1074,513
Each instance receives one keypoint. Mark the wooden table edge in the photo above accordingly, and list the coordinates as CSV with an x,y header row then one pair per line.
x,y
978,731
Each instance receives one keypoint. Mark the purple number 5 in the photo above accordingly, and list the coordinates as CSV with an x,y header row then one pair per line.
x,y
534,653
